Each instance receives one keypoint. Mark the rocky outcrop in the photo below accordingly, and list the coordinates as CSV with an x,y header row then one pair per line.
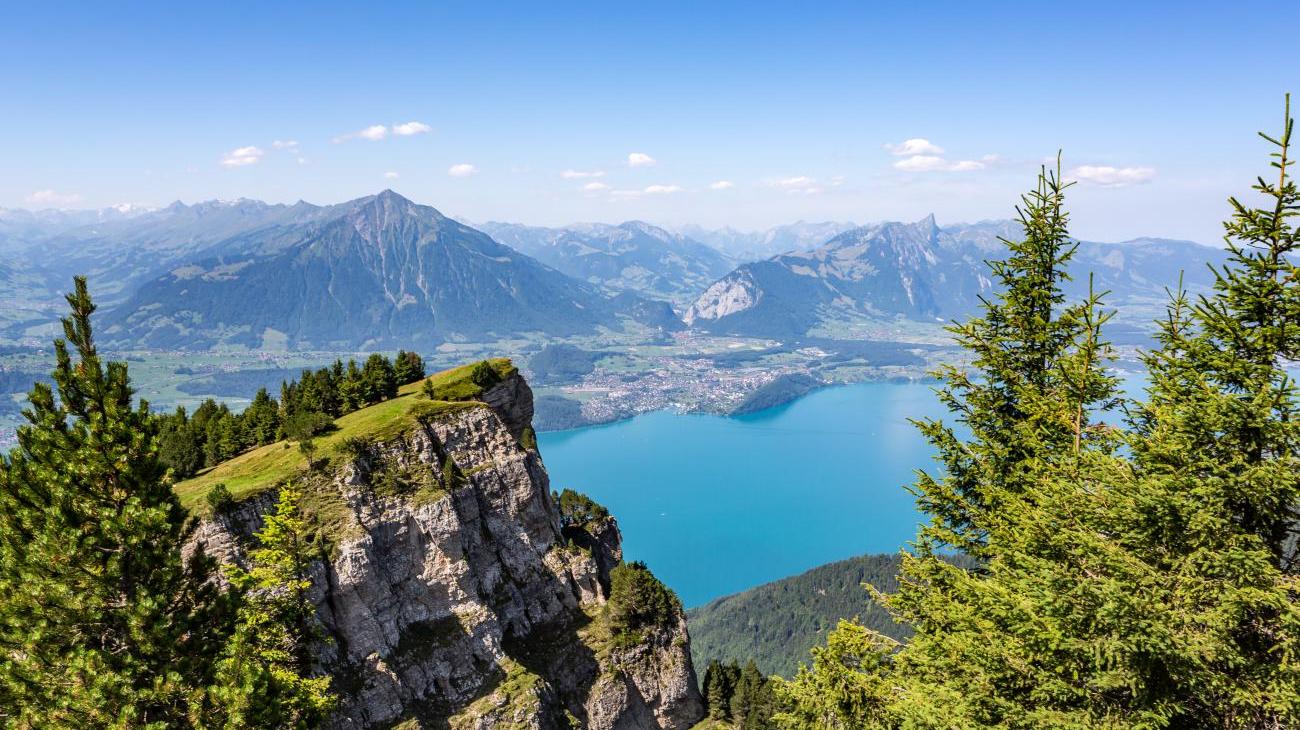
x,y
465,604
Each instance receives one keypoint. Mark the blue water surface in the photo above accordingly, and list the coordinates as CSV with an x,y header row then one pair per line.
x,y
716,505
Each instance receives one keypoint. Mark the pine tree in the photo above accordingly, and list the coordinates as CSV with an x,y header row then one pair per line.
x,y
264,678
408,367
378,382
1151,586
717,693
102,624
1217,473
1035,384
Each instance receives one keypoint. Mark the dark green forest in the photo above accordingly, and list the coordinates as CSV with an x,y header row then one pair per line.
x,y
775,624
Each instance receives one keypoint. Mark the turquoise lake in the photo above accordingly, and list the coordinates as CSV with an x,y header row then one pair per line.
x,y
715,505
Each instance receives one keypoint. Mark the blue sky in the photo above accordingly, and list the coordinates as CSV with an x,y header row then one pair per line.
x,y
751,114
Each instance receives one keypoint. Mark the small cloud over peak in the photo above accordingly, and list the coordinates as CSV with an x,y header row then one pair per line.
x,y
914,146
640,159
1107,176
242,156
581,174
722,185
464,169
411,128
51,198
391,175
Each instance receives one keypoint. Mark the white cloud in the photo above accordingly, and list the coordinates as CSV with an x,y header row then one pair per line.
x,y
410,128
285,144
798,185
49,197
581,174
391,175
914,146
464,169
595,187
374,133
242,156
662,189
801,181
922,163
1112,177
640,159
934,163
647,190
722,185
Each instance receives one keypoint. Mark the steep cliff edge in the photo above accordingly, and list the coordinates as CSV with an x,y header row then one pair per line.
x,y
457,595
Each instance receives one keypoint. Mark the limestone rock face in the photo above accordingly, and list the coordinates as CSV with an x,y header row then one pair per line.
x,y
468,607
730,295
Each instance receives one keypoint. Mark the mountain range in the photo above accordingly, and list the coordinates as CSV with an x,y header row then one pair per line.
x,y
757,245
922,272
632,256
383,270
376,271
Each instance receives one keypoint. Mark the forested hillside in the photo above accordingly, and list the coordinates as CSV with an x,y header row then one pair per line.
x,y
777,623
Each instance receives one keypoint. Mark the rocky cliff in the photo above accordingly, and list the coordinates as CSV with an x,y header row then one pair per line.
x,y
469,602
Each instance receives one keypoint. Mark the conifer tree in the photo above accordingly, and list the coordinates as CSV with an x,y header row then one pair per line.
x,y
1035,383
102,623
1216,456
1153,586
264,679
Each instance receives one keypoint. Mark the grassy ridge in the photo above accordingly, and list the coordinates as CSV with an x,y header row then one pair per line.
x,y
262,468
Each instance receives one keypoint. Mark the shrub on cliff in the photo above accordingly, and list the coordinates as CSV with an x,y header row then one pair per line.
x,y
638,600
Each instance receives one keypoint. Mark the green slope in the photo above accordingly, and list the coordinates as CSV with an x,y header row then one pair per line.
x,y
262,468
776,624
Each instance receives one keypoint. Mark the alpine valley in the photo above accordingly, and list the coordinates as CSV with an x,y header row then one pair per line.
x,y
222,297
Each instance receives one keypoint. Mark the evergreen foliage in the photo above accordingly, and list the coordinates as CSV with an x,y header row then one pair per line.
x,y
1149,586
776,624
263,678
739,696
102,624
307,407
638,600
408,367
577,509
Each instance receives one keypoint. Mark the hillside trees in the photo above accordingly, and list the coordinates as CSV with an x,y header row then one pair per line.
x,y
1148,586
638,600
1216,457
263,678
739,696
104,622
306,407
